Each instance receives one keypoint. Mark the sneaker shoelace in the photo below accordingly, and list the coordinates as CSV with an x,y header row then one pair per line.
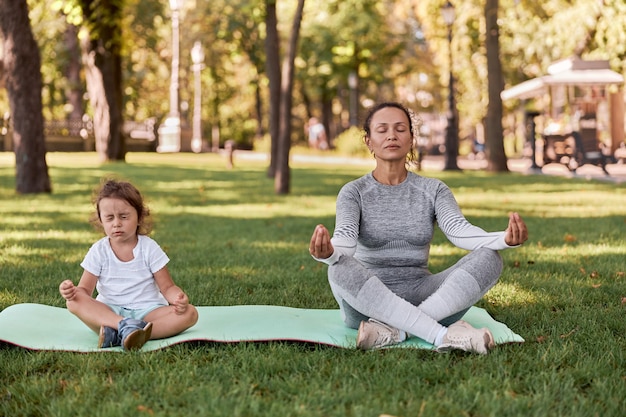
x,y
384,336
383,339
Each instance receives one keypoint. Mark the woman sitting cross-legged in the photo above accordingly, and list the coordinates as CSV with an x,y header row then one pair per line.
x,y
378,254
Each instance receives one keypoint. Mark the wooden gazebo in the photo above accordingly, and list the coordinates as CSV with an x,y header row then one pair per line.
x,y
581,105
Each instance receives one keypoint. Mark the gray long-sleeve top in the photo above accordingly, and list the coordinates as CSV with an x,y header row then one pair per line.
x,y
393,225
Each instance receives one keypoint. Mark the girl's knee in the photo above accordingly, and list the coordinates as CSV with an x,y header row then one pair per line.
x,y
193,315
71,306
74,306
189,317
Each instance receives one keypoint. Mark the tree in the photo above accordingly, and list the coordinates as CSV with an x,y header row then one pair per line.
x,y
272,68
23,81
281,93
494,144
244,29
147,58
341,46
103,72
282,179
75,89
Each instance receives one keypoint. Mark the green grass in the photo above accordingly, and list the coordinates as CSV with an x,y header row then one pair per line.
x,y
233,241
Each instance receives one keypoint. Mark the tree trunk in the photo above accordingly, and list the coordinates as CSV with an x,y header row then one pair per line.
x,y
494,136
258,105
72,70
103,72
282,179
327,117
272,67
22,67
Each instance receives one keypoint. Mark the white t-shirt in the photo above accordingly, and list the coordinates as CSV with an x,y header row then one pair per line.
x,y
127,284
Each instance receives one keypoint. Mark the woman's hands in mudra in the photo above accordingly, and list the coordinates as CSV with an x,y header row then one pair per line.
x,y
320,246
517,232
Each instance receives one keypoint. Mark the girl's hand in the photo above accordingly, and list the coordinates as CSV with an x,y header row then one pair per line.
x,y
517,232
181,303
67,290
320,246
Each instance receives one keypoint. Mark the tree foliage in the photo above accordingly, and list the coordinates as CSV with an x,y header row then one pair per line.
x,y
532,36
398,48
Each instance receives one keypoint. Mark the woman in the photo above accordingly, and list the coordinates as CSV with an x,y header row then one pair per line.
x,y
378,255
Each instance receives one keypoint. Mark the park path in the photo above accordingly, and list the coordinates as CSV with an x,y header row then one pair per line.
x,y
436,163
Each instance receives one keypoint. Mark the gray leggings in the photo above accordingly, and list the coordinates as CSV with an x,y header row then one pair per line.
x,y
413,300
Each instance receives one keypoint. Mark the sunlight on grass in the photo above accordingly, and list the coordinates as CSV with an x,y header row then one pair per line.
x,y
51,234
7,159
235,272
253,211
8,298
15,221
15,251
555,204
510,294
204,160
195,185
278,245
267,211
580,252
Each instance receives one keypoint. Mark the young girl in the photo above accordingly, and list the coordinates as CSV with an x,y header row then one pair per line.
x,y
137,299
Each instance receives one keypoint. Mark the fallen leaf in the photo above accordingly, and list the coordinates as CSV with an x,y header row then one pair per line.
x,y
144,409
594,275
516,264
569,238
596,285
541,339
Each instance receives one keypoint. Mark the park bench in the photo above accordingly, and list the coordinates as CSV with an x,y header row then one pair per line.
x,y
77,135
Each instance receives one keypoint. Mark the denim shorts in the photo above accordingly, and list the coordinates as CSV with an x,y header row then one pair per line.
x,y
138,314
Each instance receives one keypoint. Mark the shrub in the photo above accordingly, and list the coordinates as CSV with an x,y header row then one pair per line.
x,y
350,142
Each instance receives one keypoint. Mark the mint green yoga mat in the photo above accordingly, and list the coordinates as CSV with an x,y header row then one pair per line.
x,y
43,327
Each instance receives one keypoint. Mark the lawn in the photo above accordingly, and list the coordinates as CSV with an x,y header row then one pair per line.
x,y
232,241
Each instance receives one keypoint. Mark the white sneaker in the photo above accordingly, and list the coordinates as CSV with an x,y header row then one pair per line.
x,y
374,335
461,335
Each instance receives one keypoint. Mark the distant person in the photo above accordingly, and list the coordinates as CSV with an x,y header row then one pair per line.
x,y
137,298
317,135
378,254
